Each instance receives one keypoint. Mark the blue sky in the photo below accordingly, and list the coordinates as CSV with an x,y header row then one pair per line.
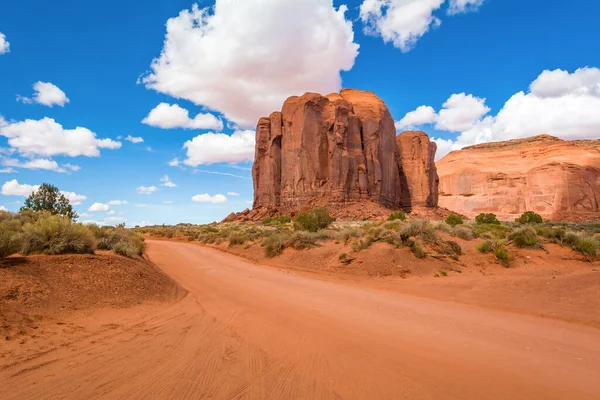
x,y
491,54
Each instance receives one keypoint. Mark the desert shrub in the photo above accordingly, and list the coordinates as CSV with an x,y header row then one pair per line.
x,y
118,239
487,218
491,231
237,239
454,219
485,247
346,258
571,238
398,215
313,220
56,235
283,219
463,232
127,248
441,226
9,239
418,228
274,245
502,254
303,240
586,246
395,225
416,248
347,234
525,237
529,217
362,244
454,247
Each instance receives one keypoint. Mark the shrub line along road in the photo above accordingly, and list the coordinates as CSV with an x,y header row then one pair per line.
x,y
246,331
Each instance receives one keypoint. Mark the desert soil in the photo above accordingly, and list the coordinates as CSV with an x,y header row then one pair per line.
x,y
247,331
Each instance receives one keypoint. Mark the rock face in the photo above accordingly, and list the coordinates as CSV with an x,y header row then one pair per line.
x,y
327,150
558,179
419,173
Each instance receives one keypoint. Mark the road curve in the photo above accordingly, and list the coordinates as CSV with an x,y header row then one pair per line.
x,y
251,332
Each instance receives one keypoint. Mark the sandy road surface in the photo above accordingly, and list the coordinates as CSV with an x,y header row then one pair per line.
x,y
251,332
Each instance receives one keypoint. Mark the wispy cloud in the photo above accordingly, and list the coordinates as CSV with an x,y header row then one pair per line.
x,y
203,171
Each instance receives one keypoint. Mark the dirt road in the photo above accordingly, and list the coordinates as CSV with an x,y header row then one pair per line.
x,y
251,332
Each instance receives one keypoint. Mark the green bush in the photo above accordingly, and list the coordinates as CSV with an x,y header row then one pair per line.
x,y
463,232
485,247
491,230
502,254
487,218
454,219
313,221
525,237
398,215
9,239
274,245
56,235
529,217
587,246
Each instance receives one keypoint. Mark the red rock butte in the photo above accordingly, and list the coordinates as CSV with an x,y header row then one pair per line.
x,y
558,179
338,151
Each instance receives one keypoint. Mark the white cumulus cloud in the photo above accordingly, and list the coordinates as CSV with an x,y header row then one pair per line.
x,y
40,163
46,93
463,6
47,138
558,103
244,58
206,198
167,182
210,148
146,189
74,198
14,188
133,139
4,44
170,116
234,194
421,116
404,22
461,112
99,207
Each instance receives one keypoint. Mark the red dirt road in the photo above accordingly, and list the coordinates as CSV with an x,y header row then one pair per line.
x,y
251,332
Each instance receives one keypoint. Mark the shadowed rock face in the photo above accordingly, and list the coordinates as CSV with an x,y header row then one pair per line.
x,y
327,150
417,158
558,179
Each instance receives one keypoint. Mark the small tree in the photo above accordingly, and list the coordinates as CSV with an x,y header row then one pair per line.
x,y
487,218
529,217
49,198
454,219
313,220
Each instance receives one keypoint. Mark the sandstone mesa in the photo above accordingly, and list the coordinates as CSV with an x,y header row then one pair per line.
x,y
560,180
341,151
